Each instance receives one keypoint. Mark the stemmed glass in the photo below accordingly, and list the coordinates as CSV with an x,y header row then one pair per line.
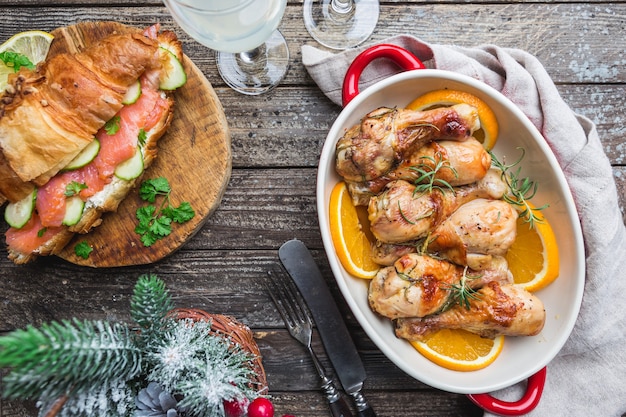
x,y
341,24
252,55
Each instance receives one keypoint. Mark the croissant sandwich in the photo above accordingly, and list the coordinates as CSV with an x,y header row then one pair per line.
x,y
77,133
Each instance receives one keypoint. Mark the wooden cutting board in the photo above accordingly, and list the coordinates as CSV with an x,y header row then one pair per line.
x,y
194,155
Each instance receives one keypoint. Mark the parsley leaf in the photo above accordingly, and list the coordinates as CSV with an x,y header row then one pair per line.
x,y
83,249
151,188
155,221
74,188
16,60
142,136
180,214
112,126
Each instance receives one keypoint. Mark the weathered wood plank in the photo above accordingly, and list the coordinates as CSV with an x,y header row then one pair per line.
x,y
576,42
289,126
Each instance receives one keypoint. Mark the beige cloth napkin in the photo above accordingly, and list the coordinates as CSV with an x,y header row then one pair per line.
x,y
588,377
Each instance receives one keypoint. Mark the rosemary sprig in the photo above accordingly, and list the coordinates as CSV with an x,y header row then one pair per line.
x,y
412,281
409,221
521,190
461,293
427,179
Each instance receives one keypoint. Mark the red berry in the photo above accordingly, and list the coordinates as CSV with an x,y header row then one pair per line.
x,y
261,407
236,408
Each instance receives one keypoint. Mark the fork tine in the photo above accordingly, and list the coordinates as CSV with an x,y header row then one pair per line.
x,y
286,296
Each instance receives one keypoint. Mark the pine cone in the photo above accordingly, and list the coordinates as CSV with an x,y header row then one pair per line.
x,y
154,402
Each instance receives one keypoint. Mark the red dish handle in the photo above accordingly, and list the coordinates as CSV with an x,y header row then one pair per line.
x,y
516,408
405,60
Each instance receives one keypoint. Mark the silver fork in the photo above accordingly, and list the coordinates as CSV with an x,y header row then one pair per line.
x,y
295,314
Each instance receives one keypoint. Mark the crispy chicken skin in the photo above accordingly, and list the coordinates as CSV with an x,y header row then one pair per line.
x,y
50,114
400,214
498,310
462,163
475,232
419,285
386,136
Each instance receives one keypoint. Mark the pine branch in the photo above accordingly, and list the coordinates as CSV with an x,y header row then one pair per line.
x,y
151,301
66,357
204,368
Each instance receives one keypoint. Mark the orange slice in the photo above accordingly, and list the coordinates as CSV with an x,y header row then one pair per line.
x,y
534,256
488,132
349,236
459,350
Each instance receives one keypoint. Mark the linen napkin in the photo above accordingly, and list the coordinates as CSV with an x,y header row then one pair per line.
x,y
588,377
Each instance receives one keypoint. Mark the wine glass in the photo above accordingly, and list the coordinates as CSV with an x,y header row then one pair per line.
x,y
252,55
341,24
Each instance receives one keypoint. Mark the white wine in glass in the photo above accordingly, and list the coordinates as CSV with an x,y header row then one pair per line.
x,y
252,55
341,24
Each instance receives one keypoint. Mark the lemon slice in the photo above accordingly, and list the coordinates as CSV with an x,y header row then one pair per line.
x,y
34,44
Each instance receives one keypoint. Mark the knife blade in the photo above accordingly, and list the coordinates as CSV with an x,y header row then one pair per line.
x,y
301,266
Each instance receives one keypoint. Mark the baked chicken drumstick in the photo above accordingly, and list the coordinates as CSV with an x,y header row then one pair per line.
x,y
401,214
455,162
386,136
419,285
494,310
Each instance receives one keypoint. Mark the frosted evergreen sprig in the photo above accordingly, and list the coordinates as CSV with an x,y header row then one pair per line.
x,y
67,356
151,301
103,369
204,369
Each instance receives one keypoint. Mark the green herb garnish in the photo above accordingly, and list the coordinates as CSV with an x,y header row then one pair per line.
x,y
83,249
521,190
461,293
427,180
16,60
142,136
112,126
155,221
74,188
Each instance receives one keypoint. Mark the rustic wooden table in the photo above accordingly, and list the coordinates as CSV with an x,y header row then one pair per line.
x,y
276,142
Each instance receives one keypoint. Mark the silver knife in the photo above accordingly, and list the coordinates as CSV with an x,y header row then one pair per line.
x,y
339,345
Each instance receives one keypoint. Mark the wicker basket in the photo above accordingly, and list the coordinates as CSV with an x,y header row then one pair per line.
x,y
236,332
226,326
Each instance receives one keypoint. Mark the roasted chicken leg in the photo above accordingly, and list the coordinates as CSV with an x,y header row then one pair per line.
x,y
400,214
419,285
455,162
475,232
386,136
497,310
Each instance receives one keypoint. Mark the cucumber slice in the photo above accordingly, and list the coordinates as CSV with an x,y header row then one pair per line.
x,y
19,213
85,156
133,93
74,207
173,75
131,168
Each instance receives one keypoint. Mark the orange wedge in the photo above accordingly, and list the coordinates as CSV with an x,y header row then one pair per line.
x,y
534,256
488,132
349,236
459,350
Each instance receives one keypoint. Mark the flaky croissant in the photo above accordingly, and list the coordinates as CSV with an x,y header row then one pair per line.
x,y
49,115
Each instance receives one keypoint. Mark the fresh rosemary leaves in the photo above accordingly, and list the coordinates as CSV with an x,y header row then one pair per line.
x,y
427,179
462,293
521,190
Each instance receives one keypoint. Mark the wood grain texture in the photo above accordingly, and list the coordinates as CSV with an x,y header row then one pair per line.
x,y
275,142
194,155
